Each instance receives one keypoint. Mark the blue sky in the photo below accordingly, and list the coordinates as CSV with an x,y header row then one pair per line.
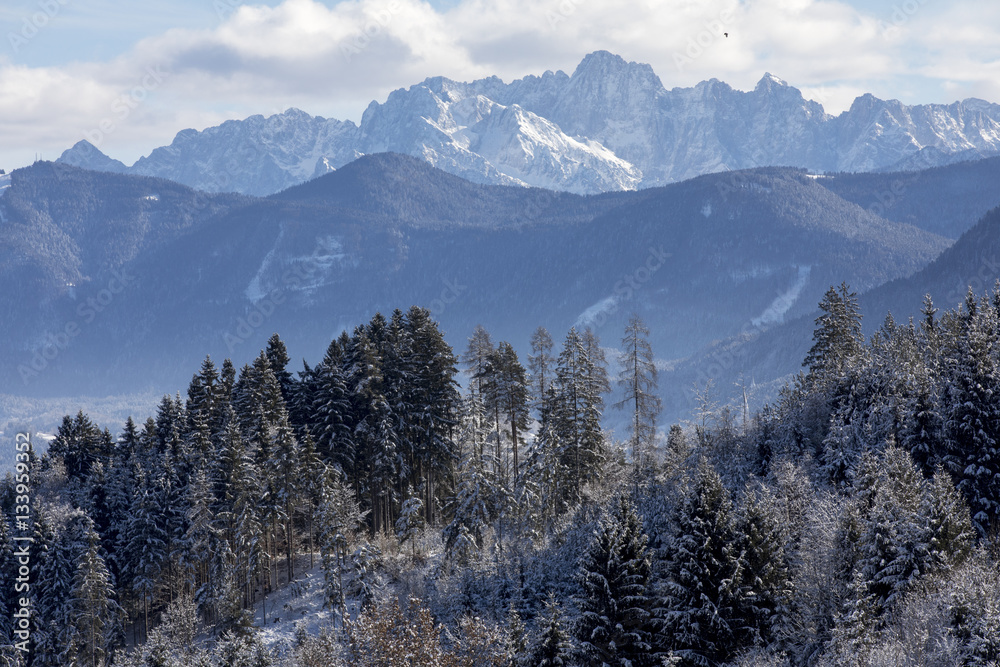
x,y
144,71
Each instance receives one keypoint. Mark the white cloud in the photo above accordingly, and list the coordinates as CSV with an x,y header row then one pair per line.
x,y
333,60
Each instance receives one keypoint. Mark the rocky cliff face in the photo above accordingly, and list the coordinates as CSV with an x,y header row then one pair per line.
x,y
611,125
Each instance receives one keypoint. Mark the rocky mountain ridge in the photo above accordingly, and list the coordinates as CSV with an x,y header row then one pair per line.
x,y
610,125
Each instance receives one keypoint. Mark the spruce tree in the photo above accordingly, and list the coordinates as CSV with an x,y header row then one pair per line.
x,y
576,409
972,419
509,394
80,443
277,357
553,647
437,404
327,414
286,473
146,545
767,582
702,611
96,614
837,340
547,462
614,626
474,504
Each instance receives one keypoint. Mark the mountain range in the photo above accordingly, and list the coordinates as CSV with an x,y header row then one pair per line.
x,y
610,125
115,283
119,279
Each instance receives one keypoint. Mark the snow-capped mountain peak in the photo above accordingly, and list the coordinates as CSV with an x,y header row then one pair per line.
x,y
610,125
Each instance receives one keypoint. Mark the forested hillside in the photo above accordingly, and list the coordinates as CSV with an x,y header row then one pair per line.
x,y
118,284
851,522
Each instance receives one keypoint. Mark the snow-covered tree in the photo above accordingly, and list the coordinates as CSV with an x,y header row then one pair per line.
x,y
837,341
702,611
553,646
637,380
614,626
96,613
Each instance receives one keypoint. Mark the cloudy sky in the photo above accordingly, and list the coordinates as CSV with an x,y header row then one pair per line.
x,y
130,75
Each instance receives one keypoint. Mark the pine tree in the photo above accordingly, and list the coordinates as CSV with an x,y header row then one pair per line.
x,y
541,363
146,544
96,614
576,410
838,340
509,394
286,472
436,403
767,585
277,357
638,381
702,613
80,443
614,626
553,647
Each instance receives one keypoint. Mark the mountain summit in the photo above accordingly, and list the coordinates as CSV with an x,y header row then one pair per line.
x,y
611,125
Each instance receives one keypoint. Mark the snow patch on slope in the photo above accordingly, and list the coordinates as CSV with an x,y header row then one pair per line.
x,y
775,312
604,307
255,290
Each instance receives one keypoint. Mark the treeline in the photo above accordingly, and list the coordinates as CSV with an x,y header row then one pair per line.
x,y
221,489
851,522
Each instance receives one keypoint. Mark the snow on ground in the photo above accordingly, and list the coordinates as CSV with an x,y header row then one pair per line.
x,y
299,605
